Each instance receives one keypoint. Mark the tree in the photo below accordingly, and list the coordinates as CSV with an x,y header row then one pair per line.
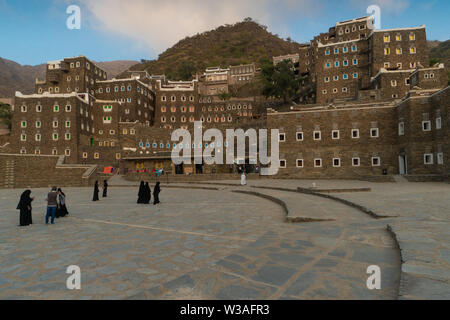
x,y
6,114
279,81
224,96
186,70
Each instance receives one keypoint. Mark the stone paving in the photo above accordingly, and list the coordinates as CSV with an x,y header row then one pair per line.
x,y
198,244
421,226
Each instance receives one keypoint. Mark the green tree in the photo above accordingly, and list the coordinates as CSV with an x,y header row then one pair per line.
x,y
6,114
186,70
279,81
224,96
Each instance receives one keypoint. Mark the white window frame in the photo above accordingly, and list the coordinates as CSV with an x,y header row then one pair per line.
x,y
377,130
296,136
440,158
285,164
379,162
438,123
401,128
320,135
429,126
303,163
318,159
425,159
355,130
338,134
353,162
282,135
339,165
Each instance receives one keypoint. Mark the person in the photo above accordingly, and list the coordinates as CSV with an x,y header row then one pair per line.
x,y
96,191
147,194
243,179
105,189
62,208
156,192
52,204
25,209
141,194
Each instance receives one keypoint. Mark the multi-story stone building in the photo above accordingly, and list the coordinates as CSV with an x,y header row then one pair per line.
x,y
373,107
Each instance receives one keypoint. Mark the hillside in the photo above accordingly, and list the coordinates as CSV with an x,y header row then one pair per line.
x,y
15,77
441,52
243,42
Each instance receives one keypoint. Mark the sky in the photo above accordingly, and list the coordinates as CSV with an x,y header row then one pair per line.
x,y
35,31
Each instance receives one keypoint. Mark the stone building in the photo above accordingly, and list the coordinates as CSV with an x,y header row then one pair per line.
x,y
372,106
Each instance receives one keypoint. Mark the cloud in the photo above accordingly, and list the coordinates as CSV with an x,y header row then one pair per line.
x,y
159,24
390,7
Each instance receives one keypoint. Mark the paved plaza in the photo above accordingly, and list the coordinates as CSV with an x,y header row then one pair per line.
x,y
225,244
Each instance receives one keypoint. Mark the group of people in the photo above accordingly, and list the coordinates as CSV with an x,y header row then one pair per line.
x,y
97,190
145,193
56,207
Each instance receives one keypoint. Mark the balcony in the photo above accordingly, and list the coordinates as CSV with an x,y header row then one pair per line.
x,y
64,66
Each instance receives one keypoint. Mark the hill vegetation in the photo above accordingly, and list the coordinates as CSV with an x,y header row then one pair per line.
x,y
240,43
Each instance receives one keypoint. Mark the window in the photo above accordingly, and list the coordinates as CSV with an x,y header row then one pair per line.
x,y
374,133
55,137
412,65
356,162
283,164
327,52
317,135
112,132
386,65
23,108
412,50
387,39
336,78
38,108
336,162
336,64
55,152
327,79
335,134
299,163
282,137
328,65
399,65
355,133
299,136
345,76
67,152
38,124
132,132
23,137
67,136
335,90
96,155
426,125
317,163
376,162
55,124
344,49
345,63
107,119
401,129
38,137
438,123
355,62
387,51
440,158
398,50
118,156
393,83
336,51
412,37
85,155
56,108
355,75
398,37
428,159
23,124
354,48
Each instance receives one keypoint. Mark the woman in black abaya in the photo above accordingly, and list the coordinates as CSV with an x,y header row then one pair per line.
x,y
156,192
25,208
62,208
96,191
105,189
147,193
141,194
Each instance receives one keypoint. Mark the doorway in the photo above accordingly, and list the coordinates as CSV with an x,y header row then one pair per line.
x,y
402,164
